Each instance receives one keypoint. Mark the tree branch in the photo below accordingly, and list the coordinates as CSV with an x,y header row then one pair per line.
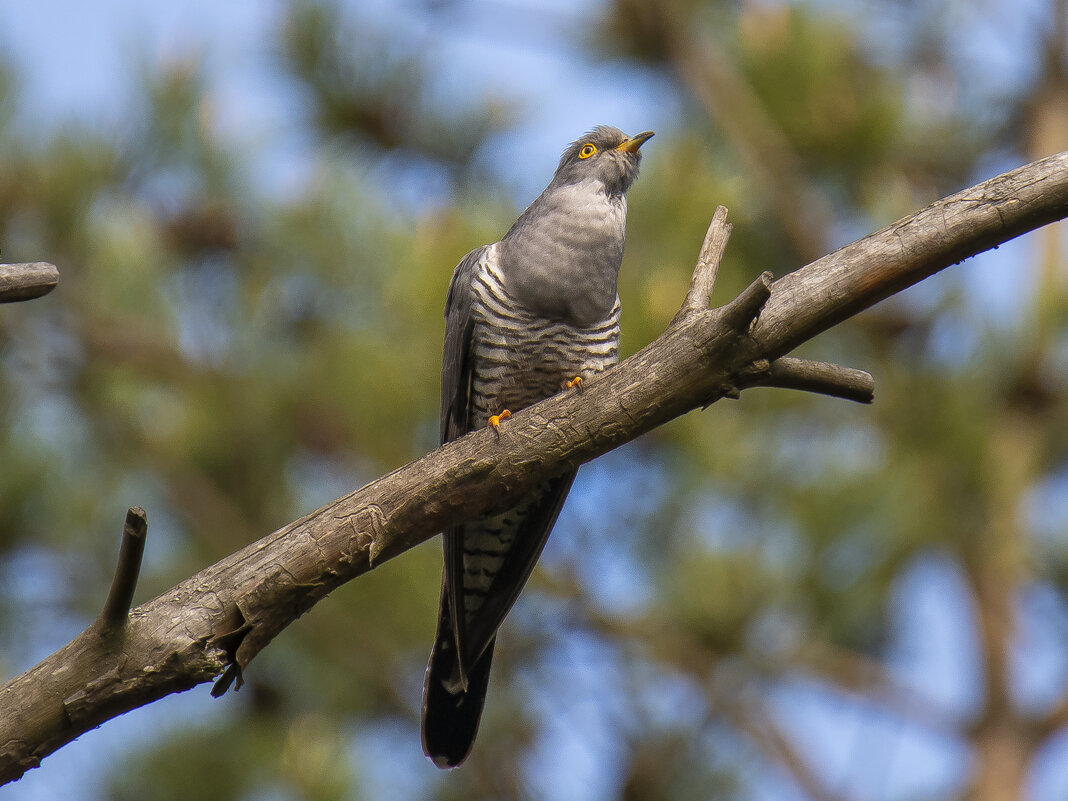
x,y
837,286
704,275
225,614
117,606
1048,724
819,377
751,716
27,281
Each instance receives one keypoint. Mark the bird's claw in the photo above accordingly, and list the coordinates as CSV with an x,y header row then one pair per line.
x,y
495,421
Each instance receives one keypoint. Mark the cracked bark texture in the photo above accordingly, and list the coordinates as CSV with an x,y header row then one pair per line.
x,y
20,282
217,620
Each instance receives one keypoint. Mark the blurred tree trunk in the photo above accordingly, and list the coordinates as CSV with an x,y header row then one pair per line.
x,y
1007,741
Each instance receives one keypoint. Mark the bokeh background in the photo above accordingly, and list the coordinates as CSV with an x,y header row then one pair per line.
x,y
256,208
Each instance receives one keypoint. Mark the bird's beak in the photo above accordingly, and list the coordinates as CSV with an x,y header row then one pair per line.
x,y
631,145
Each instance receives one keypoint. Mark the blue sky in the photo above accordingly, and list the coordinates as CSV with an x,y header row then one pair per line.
x,y
523,54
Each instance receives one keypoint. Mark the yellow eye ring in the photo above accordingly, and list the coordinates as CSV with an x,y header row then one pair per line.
x,y
588,150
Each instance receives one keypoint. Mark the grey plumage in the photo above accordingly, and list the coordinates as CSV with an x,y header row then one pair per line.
x,y
523,316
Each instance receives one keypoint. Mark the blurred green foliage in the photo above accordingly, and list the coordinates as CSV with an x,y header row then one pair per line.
x,y
230,358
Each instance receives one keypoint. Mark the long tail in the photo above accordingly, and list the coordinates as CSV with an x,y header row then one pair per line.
x,y
451,716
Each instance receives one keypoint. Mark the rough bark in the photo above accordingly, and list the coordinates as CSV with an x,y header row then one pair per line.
x,y
27,281
216,621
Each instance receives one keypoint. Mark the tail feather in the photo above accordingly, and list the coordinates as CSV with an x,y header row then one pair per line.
x,y
450,713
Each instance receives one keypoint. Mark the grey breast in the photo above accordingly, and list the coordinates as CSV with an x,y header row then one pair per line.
x,y
560,261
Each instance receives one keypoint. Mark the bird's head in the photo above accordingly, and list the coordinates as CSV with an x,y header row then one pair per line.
x,y
606,154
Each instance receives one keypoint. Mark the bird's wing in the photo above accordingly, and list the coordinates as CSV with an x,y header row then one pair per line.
x,y
456,360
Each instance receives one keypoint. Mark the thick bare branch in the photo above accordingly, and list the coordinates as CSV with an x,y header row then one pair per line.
x,y
837,286
225,614
27,281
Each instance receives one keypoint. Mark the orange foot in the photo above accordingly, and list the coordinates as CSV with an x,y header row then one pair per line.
x,y
574,383
495,421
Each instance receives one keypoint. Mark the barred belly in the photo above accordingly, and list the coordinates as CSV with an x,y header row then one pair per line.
x,y
519,360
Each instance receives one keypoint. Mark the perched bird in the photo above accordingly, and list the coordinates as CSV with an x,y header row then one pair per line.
x,y
525,317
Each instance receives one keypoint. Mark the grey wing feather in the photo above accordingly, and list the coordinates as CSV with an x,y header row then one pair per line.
x,y
456,367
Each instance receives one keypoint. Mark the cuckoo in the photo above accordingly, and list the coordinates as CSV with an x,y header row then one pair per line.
x,y
524,318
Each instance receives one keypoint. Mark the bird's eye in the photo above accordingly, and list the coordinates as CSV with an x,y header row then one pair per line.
x,y
588,150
